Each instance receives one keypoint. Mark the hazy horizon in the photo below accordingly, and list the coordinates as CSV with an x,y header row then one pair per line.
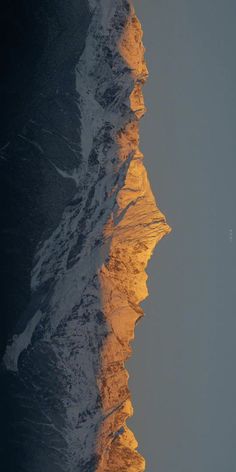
x,y
182,370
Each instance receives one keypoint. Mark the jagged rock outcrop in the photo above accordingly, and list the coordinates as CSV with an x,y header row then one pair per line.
x,y
88,276
134,228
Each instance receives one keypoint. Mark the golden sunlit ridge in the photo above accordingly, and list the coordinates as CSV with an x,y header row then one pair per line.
x,y
133,231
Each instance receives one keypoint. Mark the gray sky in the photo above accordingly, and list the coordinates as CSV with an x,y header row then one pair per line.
x,y
183,369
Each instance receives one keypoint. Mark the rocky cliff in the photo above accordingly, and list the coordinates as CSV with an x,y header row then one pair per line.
x,y
66,362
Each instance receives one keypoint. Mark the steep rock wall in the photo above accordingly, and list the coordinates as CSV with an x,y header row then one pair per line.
x,y
135,227
65,364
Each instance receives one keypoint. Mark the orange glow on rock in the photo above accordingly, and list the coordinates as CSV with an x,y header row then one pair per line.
x,y
133,230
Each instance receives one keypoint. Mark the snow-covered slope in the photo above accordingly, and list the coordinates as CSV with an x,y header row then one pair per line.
x,y
88,276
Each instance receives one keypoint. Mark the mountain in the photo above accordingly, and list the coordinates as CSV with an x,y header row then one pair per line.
x,y
63,368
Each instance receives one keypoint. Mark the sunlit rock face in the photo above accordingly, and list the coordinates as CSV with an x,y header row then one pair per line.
x,y
134,228
65,364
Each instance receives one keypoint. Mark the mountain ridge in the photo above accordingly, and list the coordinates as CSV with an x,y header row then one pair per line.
x,y
88,277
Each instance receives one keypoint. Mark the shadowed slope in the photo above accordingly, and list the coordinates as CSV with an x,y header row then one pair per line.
x,y
64,366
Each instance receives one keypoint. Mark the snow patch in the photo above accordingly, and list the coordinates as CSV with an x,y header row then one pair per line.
x,y
19,343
